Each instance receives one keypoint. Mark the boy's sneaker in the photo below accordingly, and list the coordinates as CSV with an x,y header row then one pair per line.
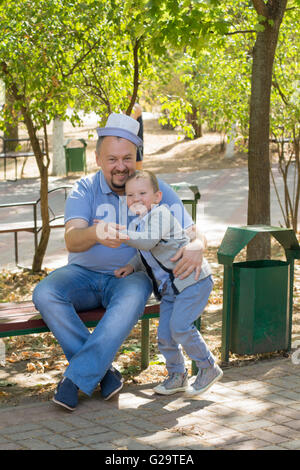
x,y
205,379
176,382
66,394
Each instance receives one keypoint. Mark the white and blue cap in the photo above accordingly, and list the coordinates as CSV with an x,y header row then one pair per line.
x,y
121,125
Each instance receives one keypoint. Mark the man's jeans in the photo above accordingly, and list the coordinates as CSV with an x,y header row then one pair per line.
x,y
176,326
73,288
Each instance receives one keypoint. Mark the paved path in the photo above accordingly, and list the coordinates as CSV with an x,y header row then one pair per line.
x,y
252,407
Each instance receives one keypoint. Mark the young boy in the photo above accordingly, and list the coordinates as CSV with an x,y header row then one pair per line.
x,y
158,237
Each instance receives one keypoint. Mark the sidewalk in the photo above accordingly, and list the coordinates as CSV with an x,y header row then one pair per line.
x,y
252,407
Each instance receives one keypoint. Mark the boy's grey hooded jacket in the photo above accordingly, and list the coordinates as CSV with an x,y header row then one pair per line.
x,y
162,235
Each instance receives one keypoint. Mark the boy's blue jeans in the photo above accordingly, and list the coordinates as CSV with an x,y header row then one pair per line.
x,y
73,288
176,326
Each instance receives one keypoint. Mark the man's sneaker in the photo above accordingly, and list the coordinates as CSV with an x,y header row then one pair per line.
x,y
111,383
176,382
205,379
66,394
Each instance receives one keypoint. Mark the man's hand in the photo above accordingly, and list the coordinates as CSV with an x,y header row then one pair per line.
x,y
189,259
109,234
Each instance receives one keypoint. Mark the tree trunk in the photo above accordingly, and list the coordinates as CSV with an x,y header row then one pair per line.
x,y
258,152
43,169
229,153
194,119
45,232
296,141
59,160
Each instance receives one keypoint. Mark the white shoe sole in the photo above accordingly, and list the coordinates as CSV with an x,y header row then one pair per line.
x,y
114,392
64,405
164,391
193,392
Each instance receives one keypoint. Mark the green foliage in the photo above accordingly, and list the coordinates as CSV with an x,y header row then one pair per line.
x,y
216,74
174,112
285,99
58,54
42,43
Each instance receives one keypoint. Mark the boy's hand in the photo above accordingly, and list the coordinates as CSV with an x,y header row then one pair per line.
x,y
110,234
124,271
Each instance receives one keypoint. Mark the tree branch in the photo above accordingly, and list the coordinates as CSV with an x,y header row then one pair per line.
x,y
78,62
135,76
46,144
260,7
96,87
240,32
281,94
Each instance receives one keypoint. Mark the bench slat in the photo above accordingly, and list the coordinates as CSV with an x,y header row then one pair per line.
x,y
16,154
28,226
22,318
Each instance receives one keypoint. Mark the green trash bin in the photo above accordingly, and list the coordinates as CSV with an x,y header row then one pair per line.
x,y
189,194
257,295
75,155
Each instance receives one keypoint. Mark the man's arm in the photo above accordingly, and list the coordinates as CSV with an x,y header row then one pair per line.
x,y
79,236
190,257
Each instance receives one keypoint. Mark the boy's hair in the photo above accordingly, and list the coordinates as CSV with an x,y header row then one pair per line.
x,y
146,175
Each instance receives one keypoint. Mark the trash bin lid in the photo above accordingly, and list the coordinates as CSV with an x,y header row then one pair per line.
x,y
236,238
74,140
182,185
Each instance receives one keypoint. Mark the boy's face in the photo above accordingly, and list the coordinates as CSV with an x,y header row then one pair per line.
x,y
141,196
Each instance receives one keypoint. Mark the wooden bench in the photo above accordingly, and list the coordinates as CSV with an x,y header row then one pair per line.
x,y
23,319
35,224
21,149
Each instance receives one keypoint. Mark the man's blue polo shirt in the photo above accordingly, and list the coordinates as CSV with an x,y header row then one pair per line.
x,y
91,198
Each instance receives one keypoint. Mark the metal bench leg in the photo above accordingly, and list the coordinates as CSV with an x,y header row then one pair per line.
x,y
16,248
145,343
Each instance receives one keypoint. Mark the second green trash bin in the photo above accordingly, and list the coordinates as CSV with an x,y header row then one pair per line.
x,y
189,195
75,152
257,295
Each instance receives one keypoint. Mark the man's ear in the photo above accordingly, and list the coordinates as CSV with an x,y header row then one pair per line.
x,y
97,159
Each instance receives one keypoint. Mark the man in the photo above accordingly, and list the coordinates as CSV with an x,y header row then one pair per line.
x,y
95,252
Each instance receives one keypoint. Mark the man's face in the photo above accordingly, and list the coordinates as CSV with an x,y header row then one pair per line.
x,y
117,159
